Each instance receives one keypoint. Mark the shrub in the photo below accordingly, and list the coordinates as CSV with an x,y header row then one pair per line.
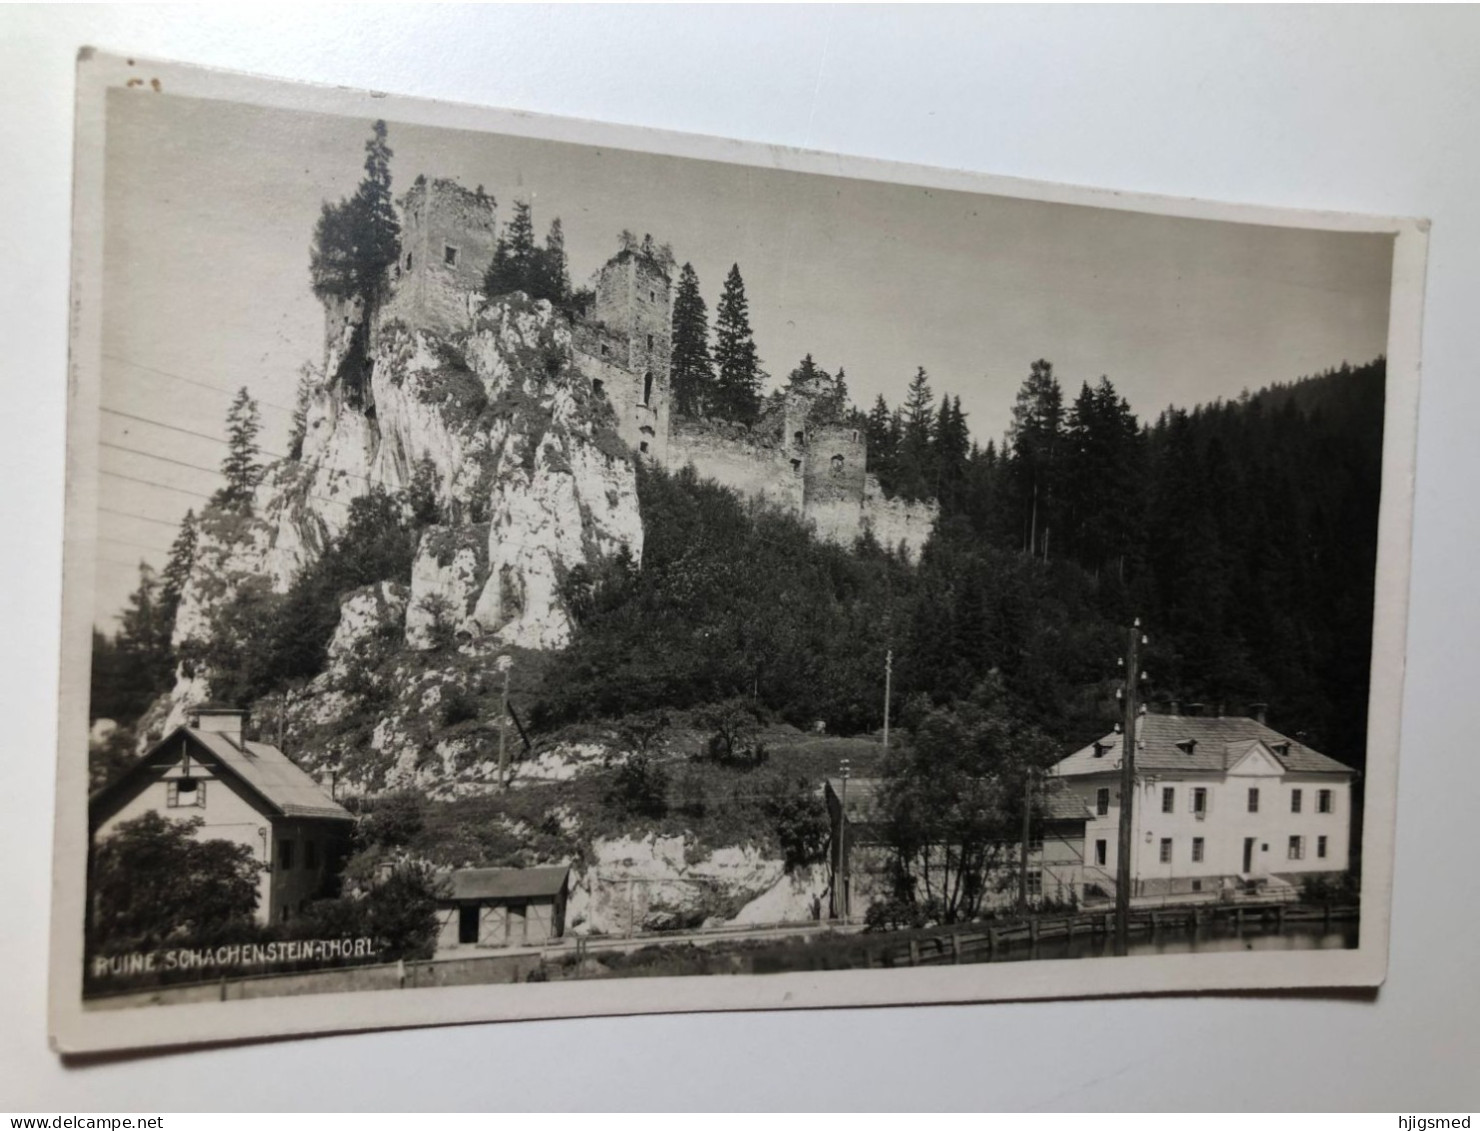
x,y
640,788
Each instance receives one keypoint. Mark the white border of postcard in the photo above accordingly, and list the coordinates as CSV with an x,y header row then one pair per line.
x,y
75,1029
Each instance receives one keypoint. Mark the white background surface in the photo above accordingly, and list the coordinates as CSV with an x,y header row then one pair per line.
x,y
1369,110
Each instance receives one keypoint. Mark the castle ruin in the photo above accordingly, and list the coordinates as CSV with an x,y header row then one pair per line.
x,y
798,456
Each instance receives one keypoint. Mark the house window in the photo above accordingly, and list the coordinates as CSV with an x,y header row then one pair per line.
x,y
1200,802
1197,885
1168,799
1100,853
1321,847
1197,850
1166,850
285,855
311,854
1102,801
1294,801
1323,801
186,793
1253,801
1035,885
449,255
1296,850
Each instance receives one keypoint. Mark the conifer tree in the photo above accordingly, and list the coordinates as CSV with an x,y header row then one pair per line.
x,y
916,470
952,450
878,428
1037,436
738,384
240,468
177,570
691,366
554,274
358,239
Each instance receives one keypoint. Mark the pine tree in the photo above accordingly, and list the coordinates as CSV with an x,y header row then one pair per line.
x,y
952,449
1036,436
308,381
177,570
691,366
240,468
881,450
554,276
738,384
358,239
916,457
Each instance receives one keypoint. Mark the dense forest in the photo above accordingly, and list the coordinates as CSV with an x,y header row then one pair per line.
x,y
1243,533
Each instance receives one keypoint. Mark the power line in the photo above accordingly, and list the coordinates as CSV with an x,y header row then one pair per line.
x,y
140,517
153,483
191,380
139,545
164,459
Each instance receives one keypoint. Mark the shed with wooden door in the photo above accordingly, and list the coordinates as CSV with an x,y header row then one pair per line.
x,y
500,907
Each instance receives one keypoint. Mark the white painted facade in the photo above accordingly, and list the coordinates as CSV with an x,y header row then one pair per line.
x,y
1200,831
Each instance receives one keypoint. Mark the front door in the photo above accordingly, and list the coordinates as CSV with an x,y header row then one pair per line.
x,y
467,923
1248,854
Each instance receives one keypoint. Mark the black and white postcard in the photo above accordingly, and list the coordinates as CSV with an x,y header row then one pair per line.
x,y
519,567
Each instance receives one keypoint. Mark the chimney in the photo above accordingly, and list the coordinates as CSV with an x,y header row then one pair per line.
x,y
1174,707
1256,712
1194,709
227,721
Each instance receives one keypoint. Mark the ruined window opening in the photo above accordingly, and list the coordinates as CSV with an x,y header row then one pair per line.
x,y
643,447
855,435
596,386
837,465
798,438
647,388
650,341
449,255
796,466
652,296
605,349
408,261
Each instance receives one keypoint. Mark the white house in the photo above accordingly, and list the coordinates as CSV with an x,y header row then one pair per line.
x,y
1220,801
245,792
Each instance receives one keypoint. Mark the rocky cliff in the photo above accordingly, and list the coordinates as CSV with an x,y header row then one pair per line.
x,y
528,474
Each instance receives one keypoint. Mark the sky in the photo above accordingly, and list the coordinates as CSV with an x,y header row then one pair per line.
x,y
210,208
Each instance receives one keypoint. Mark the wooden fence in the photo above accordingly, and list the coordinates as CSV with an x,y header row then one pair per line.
x,y
977,942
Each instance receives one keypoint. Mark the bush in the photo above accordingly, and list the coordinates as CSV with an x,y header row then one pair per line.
x,y
152,883
640,788
396,821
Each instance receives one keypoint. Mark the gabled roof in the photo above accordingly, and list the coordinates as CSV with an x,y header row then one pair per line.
x,y
264,770
508,883
1217,744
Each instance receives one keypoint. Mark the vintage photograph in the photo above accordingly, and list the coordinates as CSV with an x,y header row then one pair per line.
x,y
508,562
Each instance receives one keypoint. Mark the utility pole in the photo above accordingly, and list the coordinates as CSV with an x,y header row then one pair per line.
x,y
844,902
503,729
1128,693
888,694
1023,848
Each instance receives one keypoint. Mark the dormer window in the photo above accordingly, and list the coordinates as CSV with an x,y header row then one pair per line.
x,y
1187,745
1282,749
1100,749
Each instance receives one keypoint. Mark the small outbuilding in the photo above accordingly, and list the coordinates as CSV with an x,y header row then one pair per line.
x,y
494,907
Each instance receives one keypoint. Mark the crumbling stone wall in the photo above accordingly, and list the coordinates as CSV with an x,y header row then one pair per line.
x,y
448,235
896,521
756,465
